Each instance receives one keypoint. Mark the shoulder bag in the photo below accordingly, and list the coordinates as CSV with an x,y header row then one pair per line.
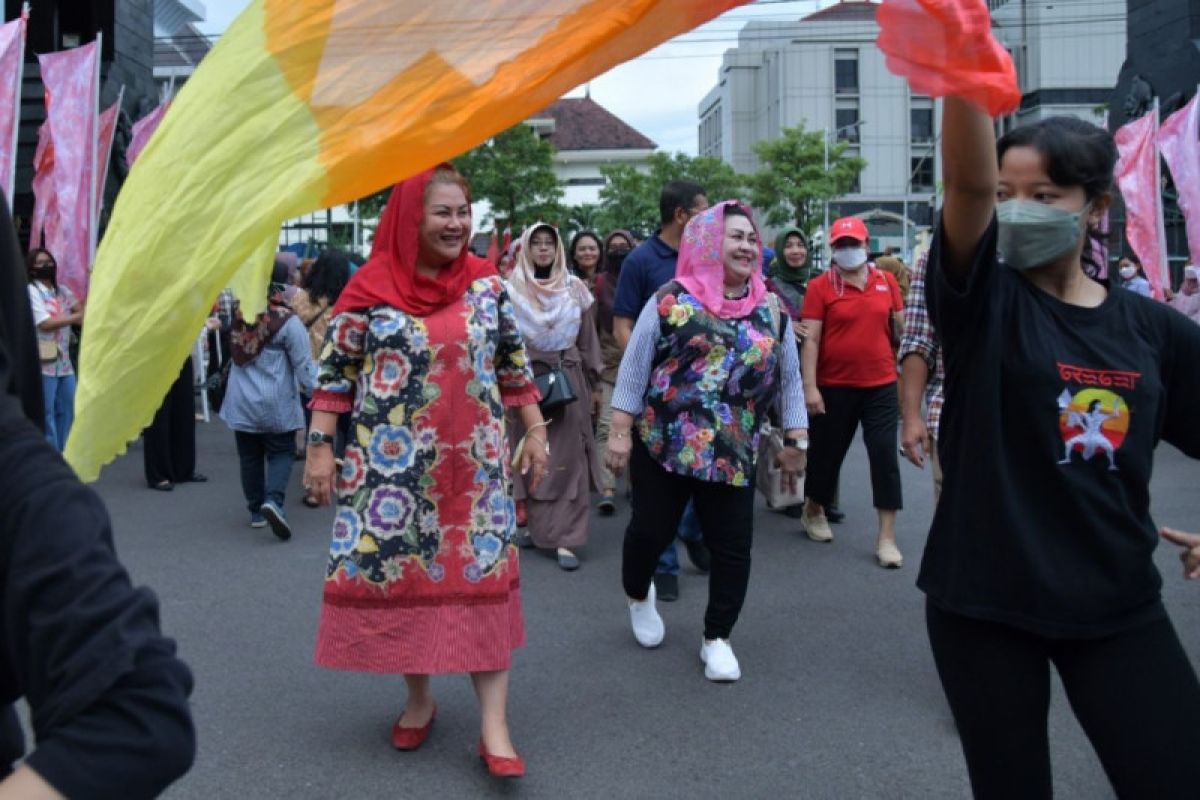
x,y
553,385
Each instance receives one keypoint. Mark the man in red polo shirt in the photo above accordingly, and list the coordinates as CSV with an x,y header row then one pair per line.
x,y
851,313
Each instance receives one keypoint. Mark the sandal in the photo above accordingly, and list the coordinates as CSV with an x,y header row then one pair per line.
x,y
163,486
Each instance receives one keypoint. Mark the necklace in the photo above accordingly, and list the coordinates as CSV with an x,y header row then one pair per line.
x,y
738,294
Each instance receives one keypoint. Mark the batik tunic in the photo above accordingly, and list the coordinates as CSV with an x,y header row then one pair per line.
x,y
422,574
713,381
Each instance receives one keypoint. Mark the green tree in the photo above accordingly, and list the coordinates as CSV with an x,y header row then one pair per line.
x,y
514,172
629,199
793,184
583,217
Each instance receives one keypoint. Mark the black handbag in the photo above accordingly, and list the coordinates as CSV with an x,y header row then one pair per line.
x,y
554,386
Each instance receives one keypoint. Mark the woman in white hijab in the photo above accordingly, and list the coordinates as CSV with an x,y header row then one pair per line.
x,y
556,315
1187,300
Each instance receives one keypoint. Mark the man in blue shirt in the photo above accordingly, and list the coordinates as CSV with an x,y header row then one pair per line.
x,y
646,269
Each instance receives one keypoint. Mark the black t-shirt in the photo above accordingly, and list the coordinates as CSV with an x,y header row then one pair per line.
x,y
1047,441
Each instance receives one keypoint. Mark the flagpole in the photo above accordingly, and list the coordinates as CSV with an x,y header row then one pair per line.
x,y
103,172
94,233
16,133
1164,263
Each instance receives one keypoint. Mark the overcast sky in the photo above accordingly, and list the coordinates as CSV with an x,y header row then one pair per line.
x,y
657,93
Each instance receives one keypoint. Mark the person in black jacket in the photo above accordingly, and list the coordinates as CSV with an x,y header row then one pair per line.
x,y
108,698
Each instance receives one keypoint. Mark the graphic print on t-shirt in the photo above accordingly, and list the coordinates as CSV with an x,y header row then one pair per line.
x,y
1094,420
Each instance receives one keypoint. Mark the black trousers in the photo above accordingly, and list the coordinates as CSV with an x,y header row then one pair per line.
x,y
726,516
1135,694
830,436
169,444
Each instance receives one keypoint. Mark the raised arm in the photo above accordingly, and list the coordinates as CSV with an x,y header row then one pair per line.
x,y
970,176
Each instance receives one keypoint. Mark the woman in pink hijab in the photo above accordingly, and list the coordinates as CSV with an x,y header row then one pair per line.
x,y
710,354
1187,300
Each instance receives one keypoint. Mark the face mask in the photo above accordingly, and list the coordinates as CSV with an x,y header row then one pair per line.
x,y
47,274
1127,273
1034,234
616,258
850,257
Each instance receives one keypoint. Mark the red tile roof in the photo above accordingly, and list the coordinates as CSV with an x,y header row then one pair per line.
x,y
849,11
580,123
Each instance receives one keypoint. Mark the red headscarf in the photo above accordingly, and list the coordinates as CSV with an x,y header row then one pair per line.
x,y
390,276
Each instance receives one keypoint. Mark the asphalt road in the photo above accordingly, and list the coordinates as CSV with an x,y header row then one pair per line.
x,y
838,699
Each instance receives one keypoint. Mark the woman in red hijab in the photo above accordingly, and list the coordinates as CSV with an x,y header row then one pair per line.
x,y
425,351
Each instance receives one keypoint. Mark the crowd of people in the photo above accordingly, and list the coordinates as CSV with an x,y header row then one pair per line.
x,y
455,410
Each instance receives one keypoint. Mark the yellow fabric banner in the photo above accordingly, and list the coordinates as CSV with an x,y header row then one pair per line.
x,y
306,104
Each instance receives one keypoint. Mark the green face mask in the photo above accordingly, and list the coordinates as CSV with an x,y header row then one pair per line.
x,y
1034,234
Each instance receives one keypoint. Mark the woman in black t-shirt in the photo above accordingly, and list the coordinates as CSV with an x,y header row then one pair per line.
x,y
1057,392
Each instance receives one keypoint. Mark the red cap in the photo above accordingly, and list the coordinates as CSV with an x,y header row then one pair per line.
x,y
849,228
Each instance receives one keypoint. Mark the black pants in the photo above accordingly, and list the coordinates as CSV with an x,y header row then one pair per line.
x,y
726,516
832,432
169,444
1135,694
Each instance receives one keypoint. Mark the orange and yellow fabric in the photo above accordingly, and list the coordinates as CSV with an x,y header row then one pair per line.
x,y
306,104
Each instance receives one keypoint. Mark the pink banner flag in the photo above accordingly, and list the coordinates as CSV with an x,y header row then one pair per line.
x,y
12,63
1137,177
72,80
1179,140
143,129
44,205
107,130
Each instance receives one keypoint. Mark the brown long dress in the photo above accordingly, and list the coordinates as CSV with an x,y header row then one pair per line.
x,y
558,511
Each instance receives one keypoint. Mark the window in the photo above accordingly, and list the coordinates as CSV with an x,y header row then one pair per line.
x,y
846,122
845,71
921,124
922,173
586,181
856,187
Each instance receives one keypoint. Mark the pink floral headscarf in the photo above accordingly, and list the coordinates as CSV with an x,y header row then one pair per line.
x,y
701,270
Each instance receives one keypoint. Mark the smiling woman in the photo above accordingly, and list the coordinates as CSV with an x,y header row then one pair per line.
x,y
422,575
710,354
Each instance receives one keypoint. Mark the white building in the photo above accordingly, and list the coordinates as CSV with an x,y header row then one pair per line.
x,y
1068,55
826,72
178,43
587,136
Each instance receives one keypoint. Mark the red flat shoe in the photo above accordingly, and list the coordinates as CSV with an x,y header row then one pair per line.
x,y
500,766
411,738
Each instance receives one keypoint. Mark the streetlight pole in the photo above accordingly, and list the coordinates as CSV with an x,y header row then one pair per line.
x,y
908,189
825,229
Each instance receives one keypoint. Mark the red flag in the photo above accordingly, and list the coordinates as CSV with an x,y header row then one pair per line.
x,y
12,63
44,205
1179,140
493,251
107,131
1137,177
143,129
946,48
72,80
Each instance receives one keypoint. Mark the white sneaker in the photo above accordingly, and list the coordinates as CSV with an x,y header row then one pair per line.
x,y
816,526
889,556
648,626
720,664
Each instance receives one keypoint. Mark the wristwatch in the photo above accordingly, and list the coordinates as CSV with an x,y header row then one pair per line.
x,y
316,439
792,441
